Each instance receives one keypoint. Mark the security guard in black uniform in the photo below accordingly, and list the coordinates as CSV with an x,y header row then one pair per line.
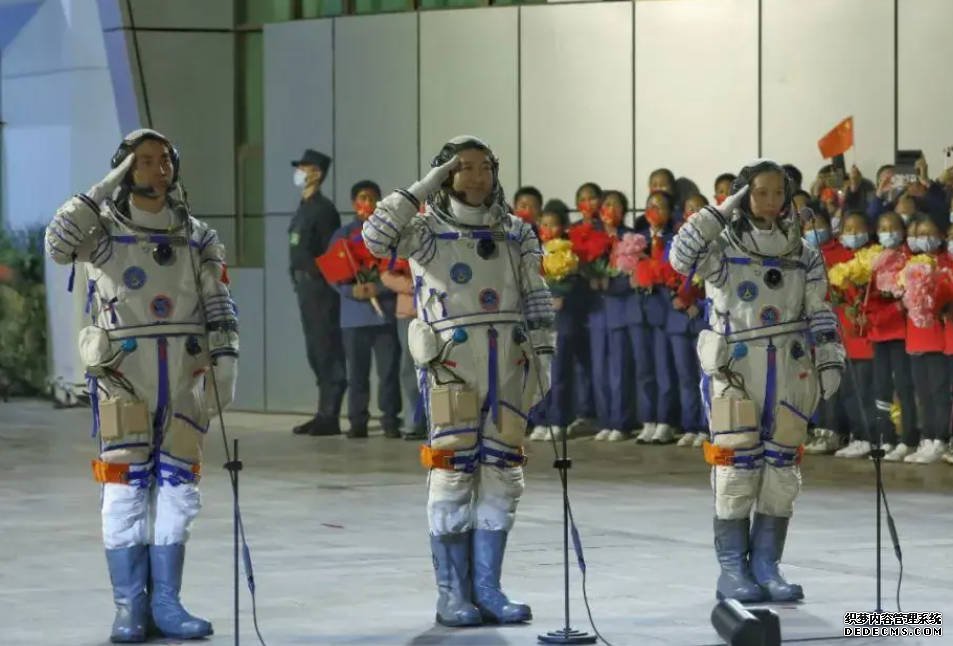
x,y
309,235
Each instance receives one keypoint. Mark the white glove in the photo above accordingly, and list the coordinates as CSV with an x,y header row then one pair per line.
x,y
830,382
226,376
710,220
99,192
433,180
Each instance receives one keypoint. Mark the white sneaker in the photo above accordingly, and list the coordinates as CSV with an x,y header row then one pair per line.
x,y
602,435
663,434
686,440
914,457
930,451
700,440
948,456
618,436
539,434
856,449
825,442
647,433
898,453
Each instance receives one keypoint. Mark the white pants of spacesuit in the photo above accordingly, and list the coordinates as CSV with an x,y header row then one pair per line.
x,y
780,380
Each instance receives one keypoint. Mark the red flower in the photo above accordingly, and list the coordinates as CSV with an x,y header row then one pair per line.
x,y
588,243
645,273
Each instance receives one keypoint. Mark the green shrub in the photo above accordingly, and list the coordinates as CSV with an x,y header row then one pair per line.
x,y
23,364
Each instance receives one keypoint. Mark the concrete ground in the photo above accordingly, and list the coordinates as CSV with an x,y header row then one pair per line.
x,y
337,531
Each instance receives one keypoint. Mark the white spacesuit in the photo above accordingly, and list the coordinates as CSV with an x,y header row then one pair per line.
x,y
772,351
148,351
483,330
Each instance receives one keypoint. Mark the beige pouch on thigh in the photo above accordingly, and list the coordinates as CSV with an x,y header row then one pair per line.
x,y
790,429
183,441
453,406
124,421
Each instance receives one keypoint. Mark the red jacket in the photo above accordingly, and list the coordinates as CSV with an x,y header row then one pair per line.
x,y
856,343
886,320
946,262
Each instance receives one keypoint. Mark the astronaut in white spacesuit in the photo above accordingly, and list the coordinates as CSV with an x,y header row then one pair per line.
x,y
483,342
148,352
772,351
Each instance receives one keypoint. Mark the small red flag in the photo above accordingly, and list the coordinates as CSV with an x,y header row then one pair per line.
x,y
837,141
336,263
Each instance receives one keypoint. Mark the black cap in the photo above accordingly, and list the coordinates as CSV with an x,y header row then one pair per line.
x,y
314,158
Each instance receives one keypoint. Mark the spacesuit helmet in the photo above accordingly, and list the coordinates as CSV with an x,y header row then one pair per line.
x,y
454,147
128,145
747,175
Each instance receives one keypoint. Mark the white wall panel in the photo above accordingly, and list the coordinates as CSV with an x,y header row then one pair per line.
x,y
696,109
375,101
190,83
450,43
248,291
298,71
926,82
816,72
289,383
576,96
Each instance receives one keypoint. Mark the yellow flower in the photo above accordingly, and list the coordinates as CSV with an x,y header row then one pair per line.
x,y
558,260
863,263
895,414
922,259
839,275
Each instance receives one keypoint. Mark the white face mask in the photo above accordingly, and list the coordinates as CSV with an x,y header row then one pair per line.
x,y
300,178
890,239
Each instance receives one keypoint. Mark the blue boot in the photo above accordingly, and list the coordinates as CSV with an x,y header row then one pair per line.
x,y
451,563
488,549
129,574
731,548
768,534
170,617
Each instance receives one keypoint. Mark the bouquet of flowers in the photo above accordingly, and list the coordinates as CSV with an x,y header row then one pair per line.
x,y
655,271
592,247
850,280
888,266
856,271
927,287
559,263
627,253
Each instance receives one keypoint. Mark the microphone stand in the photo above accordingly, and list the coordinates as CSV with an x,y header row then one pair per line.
x,y
567,634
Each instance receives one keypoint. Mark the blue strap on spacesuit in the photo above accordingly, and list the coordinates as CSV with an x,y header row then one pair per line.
x,y
162,398
770,391
492,396
782,455
90,292
92,385
423,388
173,474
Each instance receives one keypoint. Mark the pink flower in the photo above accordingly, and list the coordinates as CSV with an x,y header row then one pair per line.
x,y
628,251
920,295
888,266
